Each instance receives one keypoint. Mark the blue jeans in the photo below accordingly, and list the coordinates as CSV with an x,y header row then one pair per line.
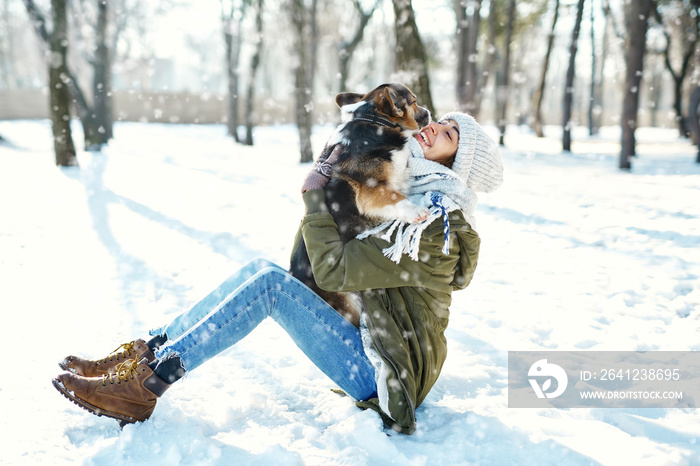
x,y
262,289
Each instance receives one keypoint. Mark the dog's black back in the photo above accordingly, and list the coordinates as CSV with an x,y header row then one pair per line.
x,y
367,147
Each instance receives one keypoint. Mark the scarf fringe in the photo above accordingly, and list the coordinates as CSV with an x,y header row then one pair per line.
x,y
408,235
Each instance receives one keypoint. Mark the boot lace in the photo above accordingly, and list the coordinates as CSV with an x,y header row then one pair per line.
x,y
128,348
124,371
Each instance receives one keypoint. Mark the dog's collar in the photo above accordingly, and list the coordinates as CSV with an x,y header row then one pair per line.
x,y
376,119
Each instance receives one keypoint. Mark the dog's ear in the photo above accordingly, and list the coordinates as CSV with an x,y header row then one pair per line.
x,y
391,103
347,98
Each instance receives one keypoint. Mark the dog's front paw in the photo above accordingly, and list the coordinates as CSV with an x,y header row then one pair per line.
x,y
411,213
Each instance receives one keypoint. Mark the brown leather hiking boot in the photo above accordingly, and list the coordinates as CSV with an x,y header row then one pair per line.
x,y
128,395
137,349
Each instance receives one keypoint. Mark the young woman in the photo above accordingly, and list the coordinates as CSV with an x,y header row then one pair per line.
x,y
406,281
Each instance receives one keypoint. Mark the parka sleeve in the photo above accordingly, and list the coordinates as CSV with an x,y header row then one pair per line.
x,y
358,264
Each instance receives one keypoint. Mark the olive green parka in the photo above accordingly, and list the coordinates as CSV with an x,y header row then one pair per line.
x,y
405,305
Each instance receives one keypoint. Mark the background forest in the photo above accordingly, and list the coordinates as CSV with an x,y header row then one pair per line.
x,y
188,122
243,63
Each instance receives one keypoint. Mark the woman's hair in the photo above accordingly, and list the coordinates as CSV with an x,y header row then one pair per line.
x,y
449,161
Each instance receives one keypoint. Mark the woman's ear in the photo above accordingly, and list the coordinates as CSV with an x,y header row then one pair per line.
x,y
347,98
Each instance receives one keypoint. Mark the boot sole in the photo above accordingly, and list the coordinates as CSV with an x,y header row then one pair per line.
x,y
123,420
66,368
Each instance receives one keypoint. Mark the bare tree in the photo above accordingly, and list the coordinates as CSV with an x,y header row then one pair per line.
x,y
570,75
96,50
468,26
492,52
684,18
232,15
346,48
694,119
538,96
254,64
610,24
504,85
6,46
609,16
86,113
410,54
302,21
592,129
60,94
636,22
102,80
313,44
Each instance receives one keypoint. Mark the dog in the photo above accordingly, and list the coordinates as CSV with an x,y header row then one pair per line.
x,y
369,176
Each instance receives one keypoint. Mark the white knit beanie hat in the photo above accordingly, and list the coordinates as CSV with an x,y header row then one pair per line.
x,y
478,160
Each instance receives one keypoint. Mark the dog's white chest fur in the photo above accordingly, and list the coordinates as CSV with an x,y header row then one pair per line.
x,y
399,159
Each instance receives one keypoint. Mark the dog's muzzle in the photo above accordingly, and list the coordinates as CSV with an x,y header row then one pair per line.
x,y
422,117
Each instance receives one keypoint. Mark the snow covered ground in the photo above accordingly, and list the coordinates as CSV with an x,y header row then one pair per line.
x,y
576,255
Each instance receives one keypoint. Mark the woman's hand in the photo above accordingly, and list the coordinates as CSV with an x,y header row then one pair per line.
x,y
321,171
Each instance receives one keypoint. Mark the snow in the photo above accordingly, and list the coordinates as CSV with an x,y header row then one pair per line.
x,y
576,255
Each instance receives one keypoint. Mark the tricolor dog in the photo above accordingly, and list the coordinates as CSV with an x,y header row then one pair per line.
x,y
370,174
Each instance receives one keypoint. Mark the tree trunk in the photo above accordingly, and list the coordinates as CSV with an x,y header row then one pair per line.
x,y
492,57
603,60
312,45
232,97
468,36
232,40
504,88
7,80
694,119
677,106
538,96
302,93
570,75
678,79
655,94
636,20
411,66
60,94
102,88
592,129
254,64
347,48
462,34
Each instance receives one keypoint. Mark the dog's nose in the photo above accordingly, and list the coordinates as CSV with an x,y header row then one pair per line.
x,y
423,117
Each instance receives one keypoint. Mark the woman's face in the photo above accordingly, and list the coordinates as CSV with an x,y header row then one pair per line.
x,y
439,141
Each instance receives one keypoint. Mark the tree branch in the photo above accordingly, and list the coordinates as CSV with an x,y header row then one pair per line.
x,y
38,21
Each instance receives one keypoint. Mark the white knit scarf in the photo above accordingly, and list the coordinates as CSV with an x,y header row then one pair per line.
x,y
435,187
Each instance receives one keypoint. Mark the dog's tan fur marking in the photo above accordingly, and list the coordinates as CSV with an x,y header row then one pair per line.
x,y
372,201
